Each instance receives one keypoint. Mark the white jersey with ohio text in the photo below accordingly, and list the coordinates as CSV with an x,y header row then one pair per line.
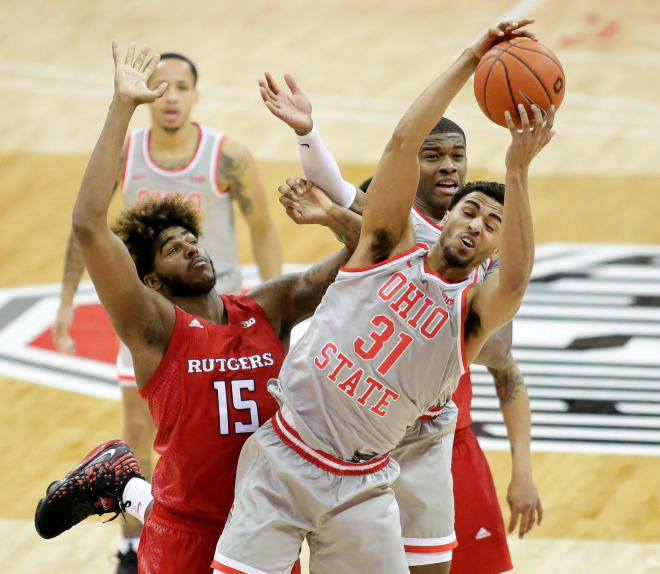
x,y
428,230
197,182
384,346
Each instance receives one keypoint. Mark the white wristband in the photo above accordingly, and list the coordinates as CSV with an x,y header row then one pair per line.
x,y
322,170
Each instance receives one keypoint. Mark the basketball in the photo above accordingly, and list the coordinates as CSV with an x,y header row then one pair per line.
x,y
518,71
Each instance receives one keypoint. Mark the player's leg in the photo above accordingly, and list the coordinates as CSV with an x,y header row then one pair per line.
x,y
139,432
270,514
169,548
95,486
424,491
362,535
483,548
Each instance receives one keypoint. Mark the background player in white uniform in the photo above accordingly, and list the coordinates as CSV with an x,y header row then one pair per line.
x,y
383,348
177,155
443,166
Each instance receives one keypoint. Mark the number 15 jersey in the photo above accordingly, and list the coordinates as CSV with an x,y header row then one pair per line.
x,y
207,396
384,346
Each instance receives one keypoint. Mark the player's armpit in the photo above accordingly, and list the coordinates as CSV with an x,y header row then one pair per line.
x,y
289,299
490,306
496,351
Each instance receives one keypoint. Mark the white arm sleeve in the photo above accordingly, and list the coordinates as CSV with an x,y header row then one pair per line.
x,y
322,170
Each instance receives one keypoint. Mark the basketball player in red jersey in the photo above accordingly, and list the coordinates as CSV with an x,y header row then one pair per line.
x,y
479,526
201,360
176,155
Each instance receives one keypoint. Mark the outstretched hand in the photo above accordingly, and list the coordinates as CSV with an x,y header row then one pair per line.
x,y
304,202
530,139
503,31
293,109
131,77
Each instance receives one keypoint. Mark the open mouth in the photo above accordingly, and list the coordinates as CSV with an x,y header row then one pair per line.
x,y
468,242
448,187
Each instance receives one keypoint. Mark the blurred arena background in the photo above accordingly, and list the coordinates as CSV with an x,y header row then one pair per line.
x,y
587,336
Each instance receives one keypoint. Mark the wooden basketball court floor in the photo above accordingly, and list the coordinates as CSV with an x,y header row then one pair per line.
x,y
361,63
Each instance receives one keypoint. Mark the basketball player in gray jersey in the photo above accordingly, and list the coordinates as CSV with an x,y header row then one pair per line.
x,y
177,155
428,526
383,348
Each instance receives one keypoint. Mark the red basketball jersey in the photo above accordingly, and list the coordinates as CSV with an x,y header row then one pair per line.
x,y
463,398
207,396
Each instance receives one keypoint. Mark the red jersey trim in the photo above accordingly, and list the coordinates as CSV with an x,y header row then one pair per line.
x,y
430,271
430,549
431,413
235,568
322,459
215,176
417,247
157,167
461,339
127,153
426,219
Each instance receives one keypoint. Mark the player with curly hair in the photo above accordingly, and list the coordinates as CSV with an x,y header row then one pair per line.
x,y
202,360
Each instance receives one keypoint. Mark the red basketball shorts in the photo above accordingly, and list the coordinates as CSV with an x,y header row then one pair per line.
x,y
482,546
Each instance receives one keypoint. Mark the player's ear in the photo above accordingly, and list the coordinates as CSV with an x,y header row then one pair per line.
x,y
152,281
495,253
444,220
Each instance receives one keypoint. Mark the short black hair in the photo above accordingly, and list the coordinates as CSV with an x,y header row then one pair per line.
x,y
365,184
177,56
446,126
139,226
489,188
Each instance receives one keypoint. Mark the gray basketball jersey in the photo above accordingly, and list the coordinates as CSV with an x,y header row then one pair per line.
x,y
198,182
428,230
385,345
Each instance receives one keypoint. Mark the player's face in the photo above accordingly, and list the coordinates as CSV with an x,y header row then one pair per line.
x,y
442,169
172,111
181,264
471,230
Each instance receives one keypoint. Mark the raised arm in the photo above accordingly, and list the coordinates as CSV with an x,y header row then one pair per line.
x,y
319,167
237,172
522,494
495,302
134,309
386,227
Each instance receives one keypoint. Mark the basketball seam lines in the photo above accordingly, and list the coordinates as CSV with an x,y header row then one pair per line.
x,y
553,60
490,70
534,74
508,83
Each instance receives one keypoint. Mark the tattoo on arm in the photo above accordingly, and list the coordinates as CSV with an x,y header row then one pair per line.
x,y
508,383
74,266
232,171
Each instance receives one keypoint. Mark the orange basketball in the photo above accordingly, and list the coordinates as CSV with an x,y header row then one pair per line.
x,y
518,71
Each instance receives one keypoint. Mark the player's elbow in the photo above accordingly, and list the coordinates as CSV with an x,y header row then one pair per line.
x,y
402,141
82,226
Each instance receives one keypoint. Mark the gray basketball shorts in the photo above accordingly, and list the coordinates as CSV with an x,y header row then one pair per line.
x,y
228,282
286,492
425,490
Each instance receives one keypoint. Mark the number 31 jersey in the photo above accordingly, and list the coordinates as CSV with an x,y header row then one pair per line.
x,y
384,346
207,396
